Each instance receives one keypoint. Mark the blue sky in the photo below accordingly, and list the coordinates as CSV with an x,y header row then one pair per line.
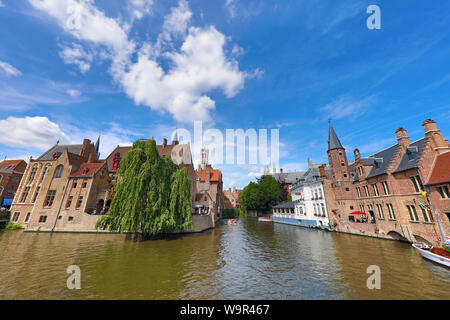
x,y
136,69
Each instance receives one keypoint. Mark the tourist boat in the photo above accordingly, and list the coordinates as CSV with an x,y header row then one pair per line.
x,y
437,255
262,219
232,222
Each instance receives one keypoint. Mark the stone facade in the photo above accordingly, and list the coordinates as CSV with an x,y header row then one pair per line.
x,y
387,186
59,189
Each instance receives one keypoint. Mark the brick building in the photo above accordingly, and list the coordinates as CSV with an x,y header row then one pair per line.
x,y
11,172
65,189
380,195
232,195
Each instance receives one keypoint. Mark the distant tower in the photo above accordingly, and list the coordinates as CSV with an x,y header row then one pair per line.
x,y
175,138
339,167
204,162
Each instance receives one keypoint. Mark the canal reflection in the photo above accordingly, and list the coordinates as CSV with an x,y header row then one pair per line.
x,y
253,260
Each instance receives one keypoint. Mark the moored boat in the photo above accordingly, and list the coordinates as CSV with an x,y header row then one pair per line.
x,y
232,222
262,219
437,255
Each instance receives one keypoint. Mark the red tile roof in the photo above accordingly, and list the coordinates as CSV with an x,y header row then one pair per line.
x,y
214,175
441,170
14,163
87,169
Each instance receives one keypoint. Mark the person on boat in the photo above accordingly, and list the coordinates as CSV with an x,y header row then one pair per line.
x,y
447,242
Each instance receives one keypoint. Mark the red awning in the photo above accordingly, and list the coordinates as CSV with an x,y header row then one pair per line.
x,y
358,212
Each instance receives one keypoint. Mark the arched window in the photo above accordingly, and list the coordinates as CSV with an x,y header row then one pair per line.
x,y
44,172
59,172
32,174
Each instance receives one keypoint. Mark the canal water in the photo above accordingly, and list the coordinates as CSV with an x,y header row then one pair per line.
x,y
253,260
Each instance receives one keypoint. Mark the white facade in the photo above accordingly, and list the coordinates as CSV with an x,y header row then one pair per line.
x,y
310,203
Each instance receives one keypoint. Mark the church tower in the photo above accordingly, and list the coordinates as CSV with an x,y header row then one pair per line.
x,y
337,158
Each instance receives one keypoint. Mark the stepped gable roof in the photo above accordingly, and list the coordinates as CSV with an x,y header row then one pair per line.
x,y
87,170
441,170
285,205
381,161
333,140
60,148
10,164
214,175
412,155
121,150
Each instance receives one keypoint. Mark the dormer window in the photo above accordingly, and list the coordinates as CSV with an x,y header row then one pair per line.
x,y
85,171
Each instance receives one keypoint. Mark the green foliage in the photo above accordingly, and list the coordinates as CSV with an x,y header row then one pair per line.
x,y
152,196
447,248
12,226
230,213
263,195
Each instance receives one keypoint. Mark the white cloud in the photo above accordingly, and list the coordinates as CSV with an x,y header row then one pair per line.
x,y
139,8
74,93
78,56
177,21
345,107
199,67
231,5
39,132
1,4
9,70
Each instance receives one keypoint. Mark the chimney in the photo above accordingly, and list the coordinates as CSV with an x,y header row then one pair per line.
x,y
281,175
434,136
402,138
309,163
357,154
322,171
84,152
164,142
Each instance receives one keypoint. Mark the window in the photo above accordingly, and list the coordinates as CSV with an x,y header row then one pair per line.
x,y
366,191
84,184
417,182
59,172
36,193
347,189
375,190
361,207
69,202
74,184
323,208
80,201
444,192
448,215
380,211
342,164
42,219
44,172
32,174
345,175
427,217
24,196
412,213
320,193
70,219
27,218
391,211
385,187
360,171
351,207
50,198
358,190
16,216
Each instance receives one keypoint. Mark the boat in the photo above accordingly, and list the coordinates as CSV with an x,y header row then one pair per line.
x,y
262,219
434,254
232,222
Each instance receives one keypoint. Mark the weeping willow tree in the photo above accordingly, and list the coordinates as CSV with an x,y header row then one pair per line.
x,y
152,195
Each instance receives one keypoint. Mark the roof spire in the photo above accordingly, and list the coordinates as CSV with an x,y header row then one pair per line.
x,y
175,138
97,147
333,140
